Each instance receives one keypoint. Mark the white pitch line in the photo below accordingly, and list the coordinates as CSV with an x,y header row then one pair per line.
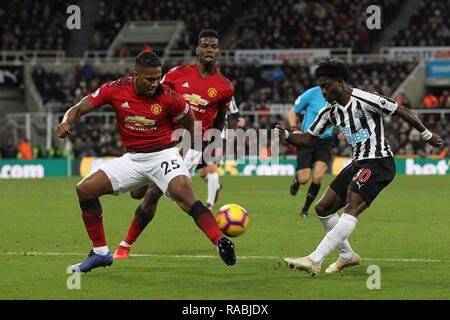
x,y
212,256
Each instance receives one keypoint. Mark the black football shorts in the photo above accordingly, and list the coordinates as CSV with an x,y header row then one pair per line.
x,y
321,151
365,177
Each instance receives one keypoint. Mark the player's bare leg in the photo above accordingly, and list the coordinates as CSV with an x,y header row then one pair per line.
x,y
302,177
320,168
142,217
180,189
89,190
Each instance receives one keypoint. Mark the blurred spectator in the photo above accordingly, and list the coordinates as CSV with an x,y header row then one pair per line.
x,y
9,150
428,26
25,152
444,99
34,25
276,74
403,100
430,101
147,48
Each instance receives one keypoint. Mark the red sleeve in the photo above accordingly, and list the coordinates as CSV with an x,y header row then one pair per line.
x,y
179,108
182,110
101,96
225,103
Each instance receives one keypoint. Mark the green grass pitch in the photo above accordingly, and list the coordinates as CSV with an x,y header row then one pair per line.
x,y
405,233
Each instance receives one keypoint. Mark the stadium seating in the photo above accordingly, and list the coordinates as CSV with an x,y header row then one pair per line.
x,y
196,15
34,25
428,26
310,24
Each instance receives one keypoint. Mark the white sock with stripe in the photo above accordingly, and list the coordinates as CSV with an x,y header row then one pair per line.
x,y
340,232
345,250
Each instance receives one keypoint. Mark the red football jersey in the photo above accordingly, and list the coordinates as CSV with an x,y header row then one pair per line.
x,y
205,95
145,124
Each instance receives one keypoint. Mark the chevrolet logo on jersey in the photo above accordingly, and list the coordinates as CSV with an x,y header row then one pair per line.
x,y
195,99
140,120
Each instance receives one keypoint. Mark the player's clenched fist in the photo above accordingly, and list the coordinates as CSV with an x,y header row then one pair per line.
x,y
283,133
435,140
63,130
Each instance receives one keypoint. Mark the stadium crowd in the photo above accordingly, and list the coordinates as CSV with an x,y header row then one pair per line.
x,y
429,26
257,87
34,25
305,23
31,25
310,24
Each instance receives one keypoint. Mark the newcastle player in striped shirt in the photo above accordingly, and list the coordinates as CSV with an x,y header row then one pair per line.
x,y
358,114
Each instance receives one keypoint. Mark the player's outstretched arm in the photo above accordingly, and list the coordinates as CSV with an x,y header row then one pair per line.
x,y
72,115
296,139
407,115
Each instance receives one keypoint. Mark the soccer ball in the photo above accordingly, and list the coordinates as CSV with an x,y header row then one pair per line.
x,y
232,220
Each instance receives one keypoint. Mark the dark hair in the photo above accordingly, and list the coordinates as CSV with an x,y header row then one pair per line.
x,y
208,33
333,69
148,59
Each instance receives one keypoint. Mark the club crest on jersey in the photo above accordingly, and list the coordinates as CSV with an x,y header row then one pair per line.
x,y
195,99
212,92
155,109
358,114
140,120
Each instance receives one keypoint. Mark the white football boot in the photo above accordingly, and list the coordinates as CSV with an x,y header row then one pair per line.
x,y
304,264
341,264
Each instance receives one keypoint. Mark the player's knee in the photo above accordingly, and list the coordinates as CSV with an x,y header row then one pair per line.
x,y
135,194
322,209
82,190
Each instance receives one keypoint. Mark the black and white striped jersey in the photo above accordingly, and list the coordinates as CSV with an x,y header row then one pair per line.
x,y
233,111
361,123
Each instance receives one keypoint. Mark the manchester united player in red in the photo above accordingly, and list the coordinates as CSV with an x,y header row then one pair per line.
x,y
209,94
145,112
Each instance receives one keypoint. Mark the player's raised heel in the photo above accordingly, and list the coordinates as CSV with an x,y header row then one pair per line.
x,y
341,264
121,253
225,247
94,261
304,264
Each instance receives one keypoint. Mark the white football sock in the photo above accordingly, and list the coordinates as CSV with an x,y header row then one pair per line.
x,y
340,232
345,250
213,185
103,251
124,244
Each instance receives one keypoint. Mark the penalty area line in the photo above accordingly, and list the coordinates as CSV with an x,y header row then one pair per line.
x,y
36,253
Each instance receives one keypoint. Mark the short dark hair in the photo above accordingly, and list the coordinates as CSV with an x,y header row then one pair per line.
x,y
148,59
333,69
210,33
